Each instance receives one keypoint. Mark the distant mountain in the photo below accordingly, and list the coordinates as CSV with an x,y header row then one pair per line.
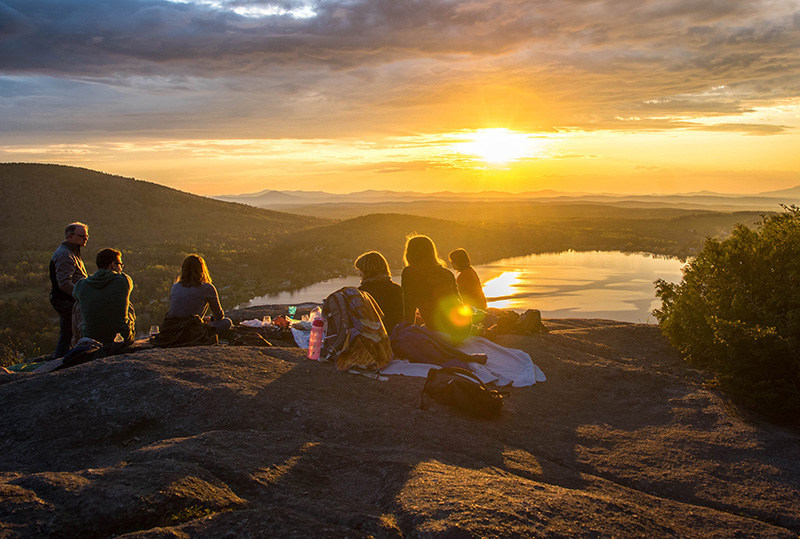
x,y
791,192
273,199
300,201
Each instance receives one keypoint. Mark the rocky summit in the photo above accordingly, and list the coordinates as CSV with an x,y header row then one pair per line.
x,y
623,440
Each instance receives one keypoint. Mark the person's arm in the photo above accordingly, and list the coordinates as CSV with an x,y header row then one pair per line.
x,y
213,303
130,312
65,268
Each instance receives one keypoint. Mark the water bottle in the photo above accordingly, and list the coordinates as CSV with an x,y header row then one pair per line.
x,y
315,340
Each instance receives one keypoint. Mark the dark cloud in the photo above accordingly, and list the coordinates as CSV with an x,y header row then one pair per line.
x,y
140,35
368,61
135,36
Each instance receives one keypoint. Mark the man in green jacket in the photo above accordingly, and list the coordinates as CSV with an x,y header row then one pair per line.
x,y
105,300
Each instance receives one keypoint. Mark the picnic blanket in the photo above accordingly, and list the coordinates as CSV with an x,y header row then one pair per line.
x,y
504,366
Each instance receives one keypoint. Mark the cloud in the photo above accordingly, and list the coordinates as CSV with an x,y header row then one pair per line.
x,y
750,129
145,35
311,68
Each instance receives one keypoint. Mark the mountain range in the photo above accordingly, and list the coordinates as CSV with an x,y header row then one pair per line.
x,y
290,200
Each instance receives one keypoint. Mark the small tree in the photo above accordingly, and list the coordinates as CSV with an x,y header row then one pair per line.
x,y
737,312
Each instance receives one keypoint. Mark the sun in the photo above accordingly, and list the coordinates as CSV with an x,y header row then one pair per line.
x,y
497,145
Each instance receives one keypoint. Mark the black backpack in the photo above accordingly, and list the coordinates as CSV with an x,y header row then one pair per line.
x,y
461,389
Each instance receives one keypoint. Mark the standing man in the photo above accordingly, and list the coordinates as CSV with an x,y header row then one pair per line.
x,y
105,300
66,269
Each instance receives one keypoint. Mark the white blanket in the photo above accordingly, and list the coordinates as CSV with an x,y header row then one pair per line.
x,y
301,337
504,366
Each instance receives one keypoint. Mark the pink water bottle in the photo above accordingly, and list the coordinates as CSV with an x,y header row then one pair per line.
x,y
315,340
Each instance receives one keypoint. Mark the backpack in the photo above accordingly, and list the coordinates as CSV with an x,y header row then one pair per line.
x,y
354,332
530,322
338,317
462,389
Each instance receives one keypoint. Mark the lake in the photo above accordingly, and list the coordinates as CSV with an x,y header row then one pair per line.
x,y
572,284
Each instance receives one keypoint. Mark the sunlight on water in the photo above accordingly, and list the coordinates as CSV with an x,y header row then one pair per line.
x,y
596,284
502,286
613,285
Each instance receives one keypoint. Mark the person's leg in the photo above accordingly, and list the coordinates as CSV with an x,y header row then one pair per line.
x,y
77,322
222,325
224,328
65,330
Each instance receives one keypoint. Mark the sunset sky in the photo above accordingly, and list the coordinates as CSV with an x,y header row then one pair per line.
x,y
234,96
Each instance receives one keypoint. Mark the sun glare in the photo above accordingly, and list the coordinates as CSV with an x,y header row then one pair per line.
x,y
498,145
500,289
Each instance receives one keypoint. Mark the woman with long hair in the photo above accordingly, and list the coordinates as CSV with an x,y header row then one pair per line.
x,y
194,294
376,280
430,288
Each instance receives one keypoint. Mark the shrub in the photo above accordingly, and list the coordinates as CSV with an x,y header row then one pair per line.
x,y
737,312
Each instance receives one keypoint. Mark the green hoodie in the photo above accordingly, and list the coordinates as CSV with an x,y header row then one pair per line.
x,y
105,300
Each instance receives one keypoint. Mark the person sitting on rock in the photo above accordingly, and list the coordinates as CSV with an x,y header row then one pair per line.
x,y
193,294
376,280
428,286
105,300
469,284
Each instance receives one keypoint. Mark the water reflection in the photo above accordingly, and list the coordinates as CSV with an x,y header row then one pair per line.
x,y
502,288
596,284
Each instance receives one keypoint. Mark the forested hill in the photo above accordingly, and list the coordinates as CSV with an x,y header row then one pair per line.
x,y
154,227
39,200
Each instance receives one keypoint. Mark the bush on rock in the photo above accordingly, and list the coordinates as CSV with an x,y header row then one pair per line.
x,y
737,312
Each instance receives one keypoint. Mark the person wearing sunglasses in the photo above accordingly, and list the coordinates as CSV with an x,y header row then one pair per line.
x,y
105,300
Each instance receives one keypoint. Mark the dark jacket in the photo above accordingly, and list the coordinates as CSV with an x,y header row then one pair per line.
x,y
184,331
420,345
389,296
432,289
66,269
106,307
